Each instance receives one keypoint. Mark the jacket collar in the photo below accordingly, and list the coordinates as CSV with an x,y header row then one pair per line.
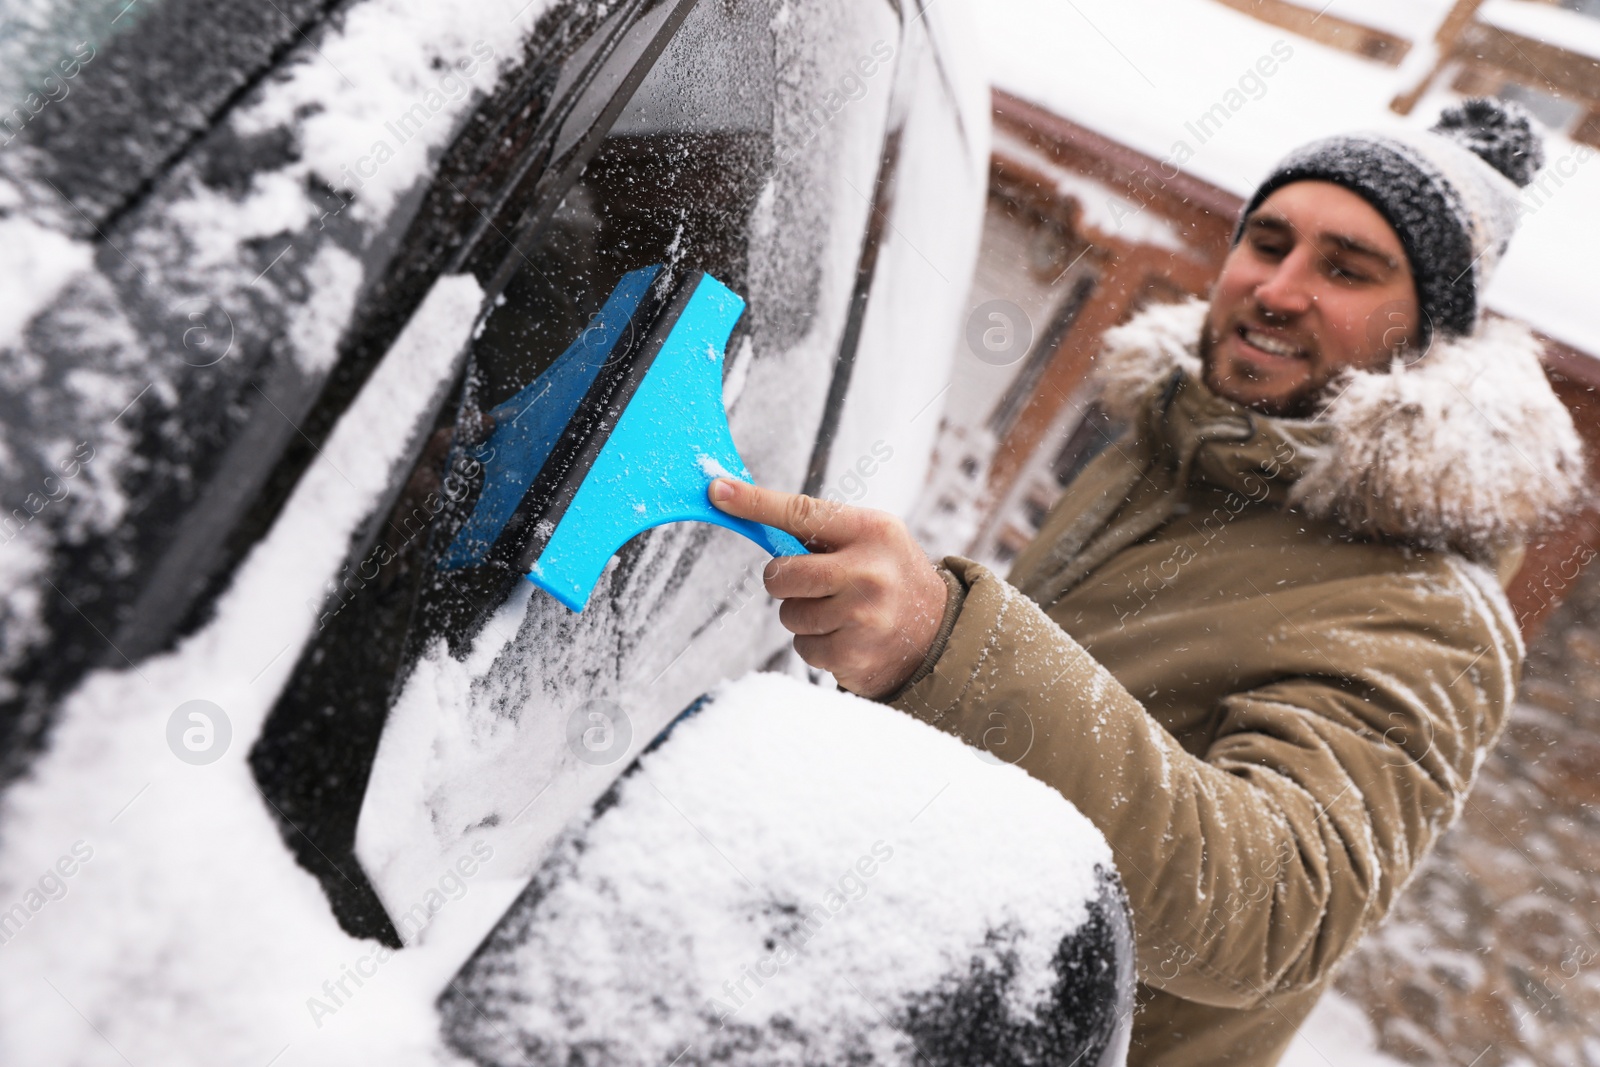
x,y
1466,449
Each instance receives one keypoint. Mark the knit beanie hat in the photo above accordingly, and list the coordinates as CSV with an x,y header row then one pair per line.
x,y
1450,194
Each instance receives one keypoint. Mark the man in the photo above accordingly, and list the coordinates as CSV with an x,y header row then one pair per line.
x,y
1260,642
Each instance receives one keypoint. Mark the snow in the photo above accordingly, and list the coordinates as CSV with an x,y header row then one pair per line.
x,y
21,562
369,104
1336,1032
261,257
427,727
818,798
389,90
1096,63
799,283
39,453
335,281
37,263
485,737
1543,277
93,353
42,38
205,940
1102,68
711,467
727,898
386,91
738,375
1414,20
1545,22
902,373
1104,208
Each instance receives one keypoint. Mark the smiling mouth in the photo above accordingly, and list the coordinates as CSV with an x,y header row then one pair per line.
x,y
1272,346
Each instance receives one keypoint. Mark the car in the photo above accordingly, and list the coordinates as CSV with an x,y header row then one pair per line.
x,y
235,233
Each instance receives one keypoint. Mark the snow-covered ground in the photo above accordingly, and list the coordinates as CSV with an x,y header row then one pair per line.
x,y
1098,63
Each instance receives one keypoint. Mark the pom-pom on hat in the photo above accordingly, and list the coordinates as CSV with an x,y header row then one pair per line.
x,y
1450,194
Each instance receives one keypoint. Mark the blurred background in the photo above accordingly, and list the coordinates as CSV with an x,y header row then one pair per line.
x,y
1125,139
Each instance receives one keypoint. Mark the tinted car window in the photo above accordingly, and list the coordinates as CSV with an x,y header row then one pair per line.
x,y
183,350
149,77
712,165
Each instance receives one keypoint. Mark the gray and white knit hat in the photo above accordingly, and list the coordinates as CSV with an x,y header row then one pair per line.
x,y
1450,193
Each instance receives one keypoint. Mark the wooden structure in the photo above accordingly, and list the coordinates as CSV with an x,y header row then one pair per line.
x,y
1486,57
1326,28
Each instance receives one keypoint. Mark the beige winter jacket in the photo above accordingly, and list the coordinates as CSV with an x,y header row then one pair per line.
x,y
1265,656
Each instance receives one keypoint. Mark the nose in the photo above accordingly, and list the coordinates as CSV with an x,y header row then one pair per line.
x,y
1287,291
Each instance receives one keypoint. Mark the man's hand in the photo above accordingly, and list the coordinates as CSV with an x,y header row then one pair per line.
x,y
866,605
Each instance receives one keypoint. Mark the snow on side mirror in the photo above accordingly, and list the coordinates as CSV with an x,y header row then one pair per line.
x,y
792,871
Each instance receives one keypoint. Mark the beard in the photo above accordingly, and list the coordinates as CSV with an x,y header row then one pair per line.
x,y
1245,384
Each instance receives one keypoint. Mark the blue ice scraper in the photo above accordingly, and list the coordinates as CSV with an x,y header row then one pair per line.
x,y
623,432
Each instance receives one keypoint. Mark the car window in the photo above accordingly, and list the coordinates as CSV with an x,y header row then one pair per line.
x,y
674,182
738,166
147,78
34,38
199,342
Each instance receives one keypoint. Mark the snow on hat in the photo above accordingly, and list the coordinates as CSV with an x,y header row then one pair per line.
x,y
1450,194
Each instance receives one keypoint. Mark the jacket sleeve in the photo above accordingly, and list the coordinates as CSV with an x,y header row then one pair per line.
x,y
1252,868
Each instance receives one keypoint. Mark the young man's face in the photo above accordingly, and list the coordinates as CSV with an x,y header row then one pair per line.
x,y
1318,283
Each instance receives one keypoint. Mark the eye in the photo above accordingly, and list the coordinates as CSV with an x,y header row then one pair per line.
x,y
1269,245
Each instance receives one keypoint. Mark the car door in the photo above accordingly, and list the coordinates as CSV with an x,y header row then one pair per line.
x,y
221,222
439,706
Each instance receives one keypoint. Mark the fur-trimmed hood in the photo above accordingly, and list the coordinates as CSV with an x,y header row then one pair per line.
x,y
1468,448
